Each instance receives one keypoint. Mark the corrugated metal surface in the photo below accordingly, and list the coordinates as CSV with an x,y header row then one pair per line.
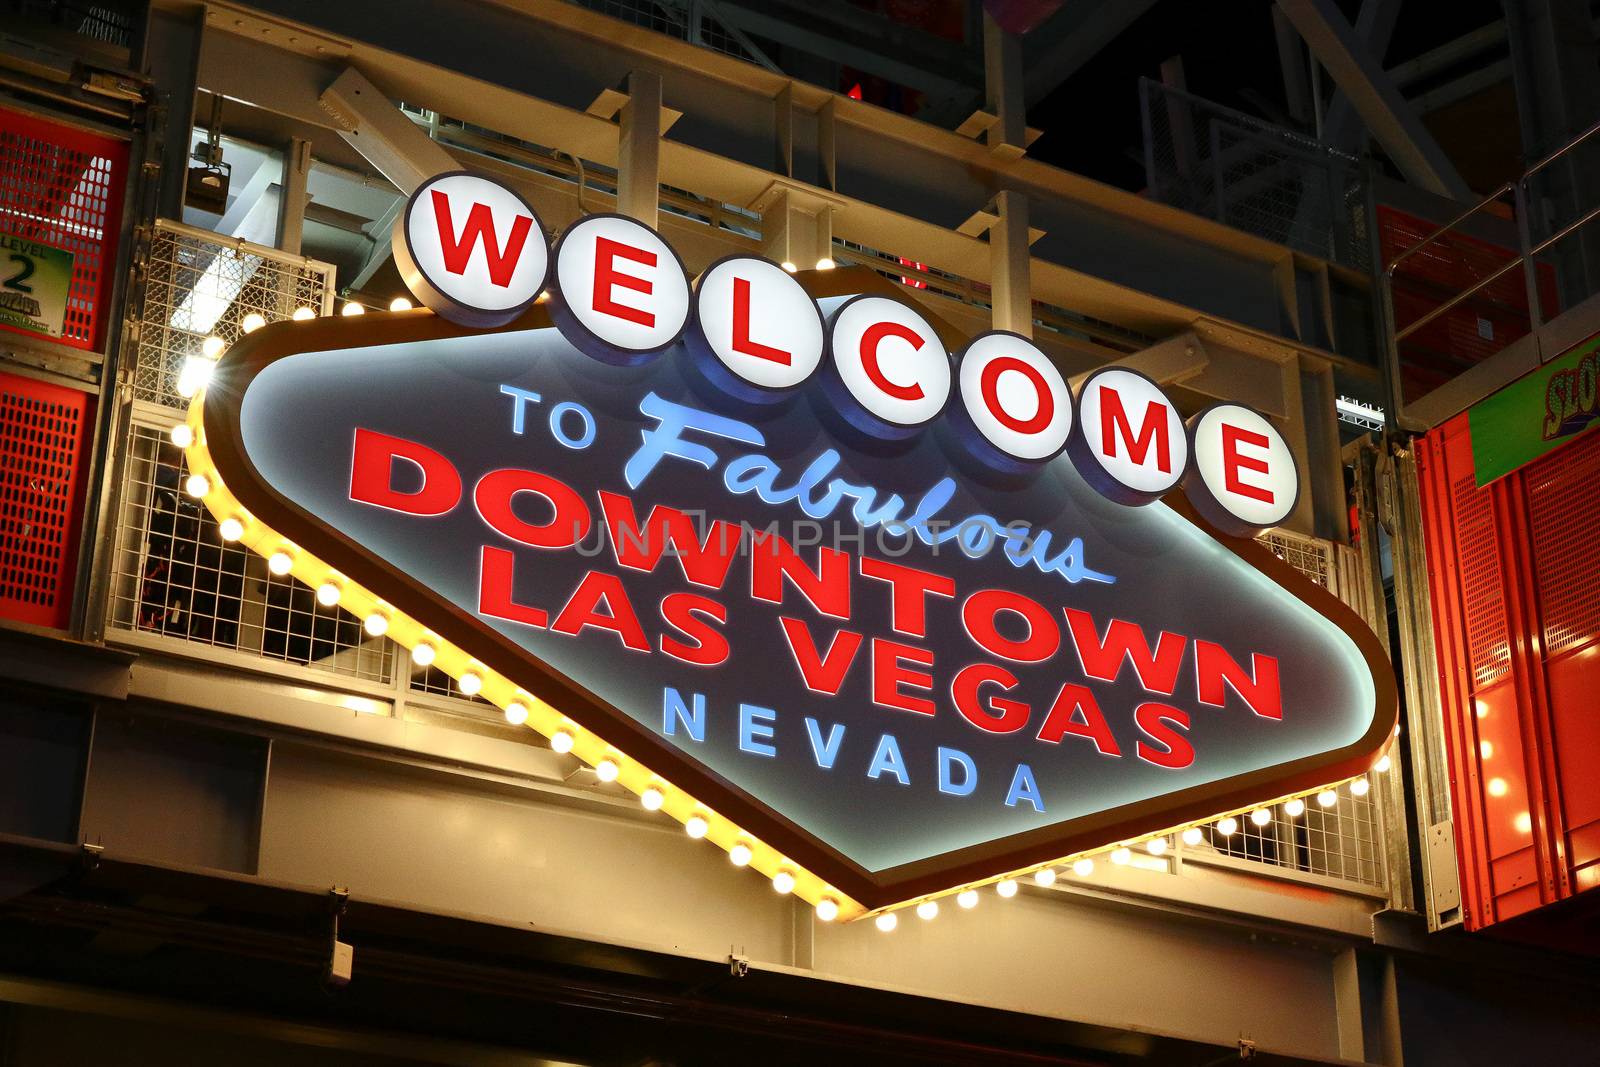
x,y
1516,609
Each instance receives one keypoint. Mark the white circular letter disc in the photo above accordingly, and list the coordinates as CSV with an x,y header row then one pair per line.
x,y
1131,444
758,324
471,249
621,294
1244,478
890,361
1014,396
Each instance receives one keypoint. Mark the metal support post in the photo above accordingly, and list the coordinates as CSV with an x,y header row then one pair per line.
x,y
1003,87
639,149
374,126
1010,264
292,195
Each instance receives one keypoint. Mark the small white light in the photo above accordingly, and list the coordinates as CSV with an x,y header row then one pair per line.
x,y
696,827
470,684
1498,787
517,714
1383,764
1295,808
182,435
197,486
424,654
1156,846
1327,798
252,322
1006,887
280,563
1261,816
1083,868
212,346
1486,749
783,882
825,263
327,594
790,267
1523,823
194,375
302,314
399,303
352,308
230,529
1122,856
607,770
377,624
740,854
562,741
928,910
1359,787
1227,826
652,799
967,898
885,922
828,909
1193,836
1045,876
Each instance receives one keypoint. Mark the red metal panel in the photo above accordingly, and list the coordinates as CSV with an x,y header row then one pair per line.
x,y
63,187
44,434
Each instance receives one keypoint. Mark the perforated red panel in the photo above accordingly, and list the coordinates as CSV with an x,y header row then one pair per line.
x,y
44,431
1566,515
62,187
1482,589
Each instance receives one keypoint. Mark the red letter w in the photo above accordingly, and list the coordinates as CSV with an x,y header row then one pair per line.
x,y
480,226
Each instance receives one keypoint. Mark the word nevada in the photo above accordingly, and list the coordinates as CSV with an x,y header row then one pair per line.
x,y
475,253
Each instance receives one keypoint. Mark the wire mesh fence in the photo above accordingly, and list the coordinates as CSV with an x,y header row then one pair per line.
x,y
1264,179
1341,841
694,21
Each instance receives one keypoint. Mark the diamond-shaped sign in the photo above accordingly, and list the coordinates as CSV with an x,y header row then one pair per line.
x,y
822,649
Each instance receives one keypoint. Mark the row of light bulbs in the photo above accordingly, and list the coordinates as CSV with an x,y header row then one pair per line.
x,y
564,736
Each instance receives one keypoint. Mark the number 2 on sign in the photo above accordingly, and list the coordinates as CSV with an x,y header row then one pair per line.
x,y
18,281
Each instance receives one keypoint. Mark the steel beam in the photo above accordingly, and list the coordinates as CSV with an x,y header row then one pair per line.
x,y
374,126
292,195
1010,276
1007,136
639,149
1380,105
1341,128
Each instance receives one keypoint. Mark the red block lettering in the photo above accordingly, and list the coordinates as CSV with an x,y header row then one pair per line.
x,y
704,563
1152,431
1233,462
998,715
741,328
1076,711
1102,659
888,676
683,611
1215,669
496,569
583,609
909,590
827,588
569,520
372,475
870,340
1154,720
607,277
822,673
480,227
978,616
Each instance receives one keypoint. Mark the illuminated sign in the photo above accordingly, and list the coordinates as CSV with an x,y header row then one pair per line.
x,y
881,624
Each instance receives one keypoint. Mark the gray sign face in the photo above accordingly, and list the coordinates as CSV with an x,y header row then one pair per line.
x,y
952,668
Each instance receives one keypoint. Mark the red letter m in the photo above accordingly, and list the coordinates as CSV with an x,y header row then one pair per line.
x,y
480,226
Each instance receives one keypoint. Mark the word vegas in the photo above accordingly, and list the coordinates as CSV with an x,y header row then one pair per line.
x,y
475,253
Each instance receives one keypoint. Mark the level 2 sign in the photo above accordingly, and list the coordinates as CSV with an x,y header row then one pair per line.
x,y
882,623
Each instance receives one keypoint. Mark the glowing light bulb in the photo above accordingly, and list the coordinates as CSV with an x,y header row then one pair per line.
x,y
825,263
928,910
1498,787
1383,764
470,684
280,563
1261,816
212,346
1228,826
194,375
1045,876
197,486
352,308
251,322
1486,749
1481,707
790,267
1122,856
517,714
1006,887
423,654
696,827
327,594
740,854
1327,798
783,882
1083,868
607,770
400,303
967,898
885,922
562,741
1523,823
1156,846
230,529
1359,787
377,624
302,314
828,910
652,799
1295,808
1193,836
182,435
